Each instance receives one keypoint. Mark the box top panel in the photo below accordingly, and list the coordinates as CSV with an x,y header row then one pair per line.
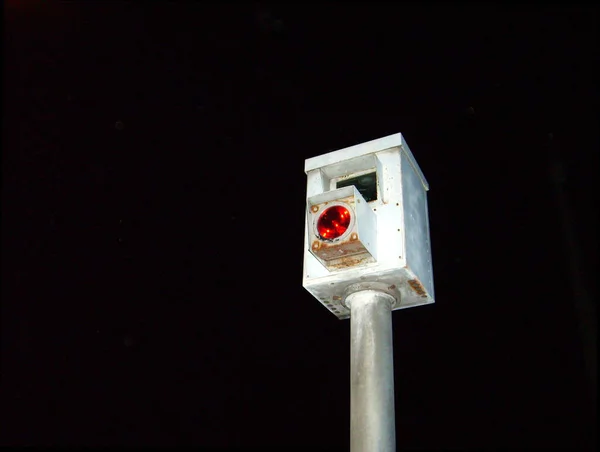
x,y
369,147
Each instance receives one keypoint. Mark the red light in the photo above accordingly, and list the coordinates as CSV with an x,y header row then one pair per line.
x,y
333,222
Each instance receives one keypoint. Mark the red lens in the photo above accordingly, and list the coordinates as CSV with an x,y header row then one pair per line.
x,y
333,222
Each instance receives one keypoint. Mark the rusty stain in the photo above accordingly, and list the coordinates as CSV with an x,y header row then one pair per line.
x,y
416,285
392,287
337,297
350,261
328,252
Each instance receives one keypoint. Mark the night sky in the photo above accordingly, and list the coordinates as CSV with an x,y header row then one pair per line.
x,y
153,198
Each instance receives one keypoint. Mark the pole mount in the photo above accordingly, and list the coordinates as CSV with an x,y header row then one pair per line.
x,y
391,290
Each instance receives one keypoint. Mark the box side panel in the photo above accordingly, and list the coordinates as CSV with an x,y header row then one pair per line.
x,y
312,267
416,225
367,223
316,183
390,233
415,165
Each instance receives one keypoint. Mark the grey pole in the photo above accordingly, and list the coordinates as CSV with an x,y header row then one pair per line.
x,y
372,423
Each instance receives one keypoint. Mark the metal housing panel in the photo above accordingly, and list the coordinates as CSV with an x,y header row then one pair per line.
x,y
416,227
358,245
403,255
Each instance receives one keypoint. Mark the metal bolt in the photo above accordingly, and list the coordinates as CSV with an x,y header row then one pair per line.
x,y
314,208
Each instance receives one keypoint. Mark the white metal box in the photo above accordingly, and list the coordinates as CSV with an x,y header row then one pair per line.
x,y
385,190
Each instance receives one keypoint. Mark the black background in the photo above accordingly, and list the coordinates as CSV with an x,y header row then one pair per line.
x,y
153,215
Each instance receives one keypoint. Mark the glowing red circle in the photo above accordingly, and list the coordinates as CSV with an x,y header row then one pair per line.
x,y
333,222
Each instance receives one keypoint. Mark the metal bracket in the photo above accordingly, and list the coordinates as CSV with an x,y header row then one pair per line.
x,y
372,285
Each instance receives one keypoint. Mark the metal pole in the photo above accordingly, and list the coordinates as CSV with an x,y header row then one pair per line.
x,y
372,422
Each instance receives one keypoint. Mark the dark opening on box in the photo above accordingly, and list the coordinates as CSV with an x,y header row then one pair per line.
x,y
366,184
